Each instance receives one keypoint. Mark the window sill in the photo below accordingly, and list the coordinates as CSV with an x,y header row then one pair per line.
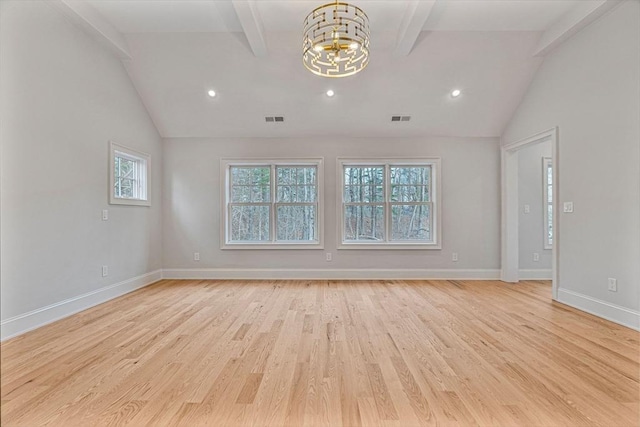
x,y
129,202
389,246
272,246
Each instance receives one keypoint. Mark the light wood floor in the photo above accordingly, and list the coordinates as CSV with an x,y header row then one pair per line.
x,y
276,353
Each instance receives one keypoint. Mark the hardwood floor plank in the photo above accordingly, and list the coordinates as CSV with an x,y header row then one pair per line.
x,y
390,353
386,408
412,390
297,397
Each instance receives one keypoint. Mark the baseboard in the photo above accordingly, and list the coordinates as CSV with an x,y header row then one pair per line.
x,y
615,313
337,274
535,274
26,322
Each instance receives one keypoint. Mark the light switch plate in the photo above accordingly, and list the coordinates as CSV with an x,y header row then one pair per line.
x,y
568,207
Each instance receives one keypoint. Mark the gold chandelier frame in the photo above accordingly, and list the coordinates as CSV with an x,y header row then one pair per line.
x,y
336,40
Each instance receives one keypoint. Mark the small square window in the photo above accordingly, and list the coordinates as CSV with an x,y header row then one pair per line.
x,y
128,176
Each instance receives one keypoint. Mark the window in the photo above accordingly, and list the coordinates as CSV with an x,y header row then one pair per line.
x,y
547,174
389,204
129,176
272,204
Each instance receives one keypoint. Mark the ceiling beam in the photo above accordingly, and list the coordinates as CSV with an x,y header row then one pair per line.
x,y
415,16
573,21
90,20
247,11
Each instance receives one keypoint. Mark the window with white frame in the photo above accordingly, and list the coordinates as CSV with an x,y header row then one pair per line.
x,y
272,203
129,176
547,173
389,203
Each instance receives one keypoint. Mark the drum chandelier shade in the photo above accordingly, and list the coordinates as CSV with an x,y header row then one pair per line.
x,y
336,40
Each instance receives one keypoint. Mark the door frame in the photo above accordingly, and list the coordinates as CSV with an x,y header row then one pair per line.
x,y
510,209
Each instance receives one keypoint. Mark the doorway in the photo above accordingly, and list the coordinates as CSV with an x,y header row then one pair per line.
x,y
510,257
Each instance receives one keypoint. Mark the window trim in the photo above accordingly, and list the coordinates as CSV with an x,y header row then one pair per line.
x,y
436,204
136,156
227,163
546,163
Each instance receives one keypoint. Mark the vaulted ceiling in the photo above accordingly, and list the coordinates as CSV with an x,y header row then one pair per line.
x,y
249,52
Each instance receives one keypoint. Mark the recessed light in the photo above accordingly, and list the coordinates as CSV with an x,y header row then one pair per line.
x,y
211,93
330,93
456,93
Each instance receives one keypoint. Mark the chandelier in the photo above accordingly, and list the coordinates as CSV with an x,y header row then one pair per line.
x,y
336,40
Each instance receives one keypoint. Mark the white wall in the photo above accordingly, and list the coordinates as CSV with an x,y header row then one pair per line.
x,y
531,226
62,98
470,205
589,87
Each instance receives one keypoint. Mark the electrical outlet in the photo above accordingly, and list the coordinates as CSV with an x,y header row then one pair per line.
x,y
454,257
105,271
536,257
527,209
613,285
329,256
105,214
196,256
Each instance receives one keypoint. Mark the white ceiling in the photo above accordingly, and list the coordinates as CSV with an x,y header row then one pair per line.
x,y
180,49
498,15
169,16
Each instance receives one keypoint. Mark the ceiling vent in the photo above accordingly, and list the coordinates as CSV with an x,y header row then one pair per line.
x,y
274,119
400,118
